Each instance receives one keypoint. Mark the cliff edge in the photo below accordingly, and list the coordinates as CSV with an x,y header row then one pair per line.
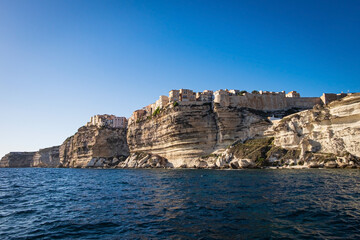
x,y
184,132
93,146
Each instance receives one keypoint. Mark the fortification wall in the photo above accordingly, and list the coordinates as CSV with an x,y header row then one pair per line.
x,y
266,102
304,102
256,101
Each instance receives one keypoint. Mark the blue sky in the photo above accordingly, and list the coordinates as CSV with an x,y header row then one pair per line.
x,y
64,61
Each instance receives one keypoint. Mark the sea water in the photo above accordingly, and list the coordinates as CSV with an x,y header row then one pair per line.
x,y
40,203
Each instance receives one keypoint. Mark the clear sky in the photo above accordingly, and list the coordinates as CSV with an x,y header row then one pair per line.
x,y
64,61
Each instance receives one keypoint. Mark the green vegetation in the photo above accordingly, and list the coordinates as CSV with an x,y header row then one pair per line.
x,y
254,149
156,112
241,93
255,92
175,104
292,154
261,162
139,120
320,157
261,150
209,155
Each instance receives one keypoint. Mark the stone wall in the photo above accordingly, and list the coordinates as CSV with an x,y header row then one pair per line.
x,y
266,102
303,102
327,98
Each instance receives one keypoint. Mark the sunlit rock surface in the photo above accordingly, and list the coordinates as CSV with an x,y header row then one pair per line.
x,y
47,157
93,147
17,159
334,128
186,132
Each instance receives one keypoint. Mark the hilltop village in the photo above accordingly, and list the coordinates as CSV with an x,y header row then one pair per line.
x,y
106,120
258,100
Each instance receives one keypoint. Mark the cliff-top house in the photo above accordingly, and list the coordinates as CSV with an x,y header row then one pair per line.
x,y
108,121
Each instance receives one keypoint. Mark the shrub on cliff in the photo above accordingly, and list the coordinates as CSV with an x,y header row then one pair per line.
x,y
156,112
175,104
255,92
254,149
241,93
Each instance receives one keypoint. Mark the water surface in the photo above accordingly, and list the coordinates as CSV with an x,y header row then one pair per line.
x,y
179,204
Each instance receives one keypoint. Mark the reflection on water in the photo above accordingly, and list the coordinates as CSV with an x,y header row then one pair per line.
x,y
185,204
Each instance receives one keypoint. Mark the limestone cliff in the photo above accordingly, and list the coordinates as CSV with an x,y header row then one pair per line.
x,y
334,128
184,132
325,136
17,159
93,146
212,136
47,157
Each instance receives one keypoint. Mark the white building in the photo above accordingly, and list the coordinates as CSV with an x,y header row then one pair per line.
x,y
108,120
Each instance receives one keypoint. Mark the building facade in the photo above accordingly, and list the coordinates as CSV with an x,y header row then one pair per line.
x,y
258,100
106,120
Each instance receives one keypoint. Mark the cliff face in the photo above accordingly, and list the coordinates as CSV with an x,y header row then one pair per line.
x,y
47,157
334,128
94,147
199,135
17,159
185,132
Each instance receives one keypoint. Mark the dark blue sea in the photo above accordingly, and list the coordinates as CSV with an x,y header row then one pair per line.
x,y
179,204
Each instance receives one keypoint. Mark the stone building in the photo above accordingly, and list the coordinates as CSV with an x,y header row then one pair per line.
x,y
174,96
187,95
293,94
108,121
205,96
326,98
162,101
149,109
139,114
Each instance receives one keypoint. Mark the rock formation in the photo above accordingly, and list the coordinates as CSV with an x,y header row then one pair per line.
x,y
331,129
144,160
17,159
94,146
47,157
183,133
212,136
325,136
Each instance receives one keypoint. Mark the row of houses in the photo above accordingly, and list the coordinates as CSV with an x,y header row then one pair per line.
x,y
106,120
259,100
187,95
